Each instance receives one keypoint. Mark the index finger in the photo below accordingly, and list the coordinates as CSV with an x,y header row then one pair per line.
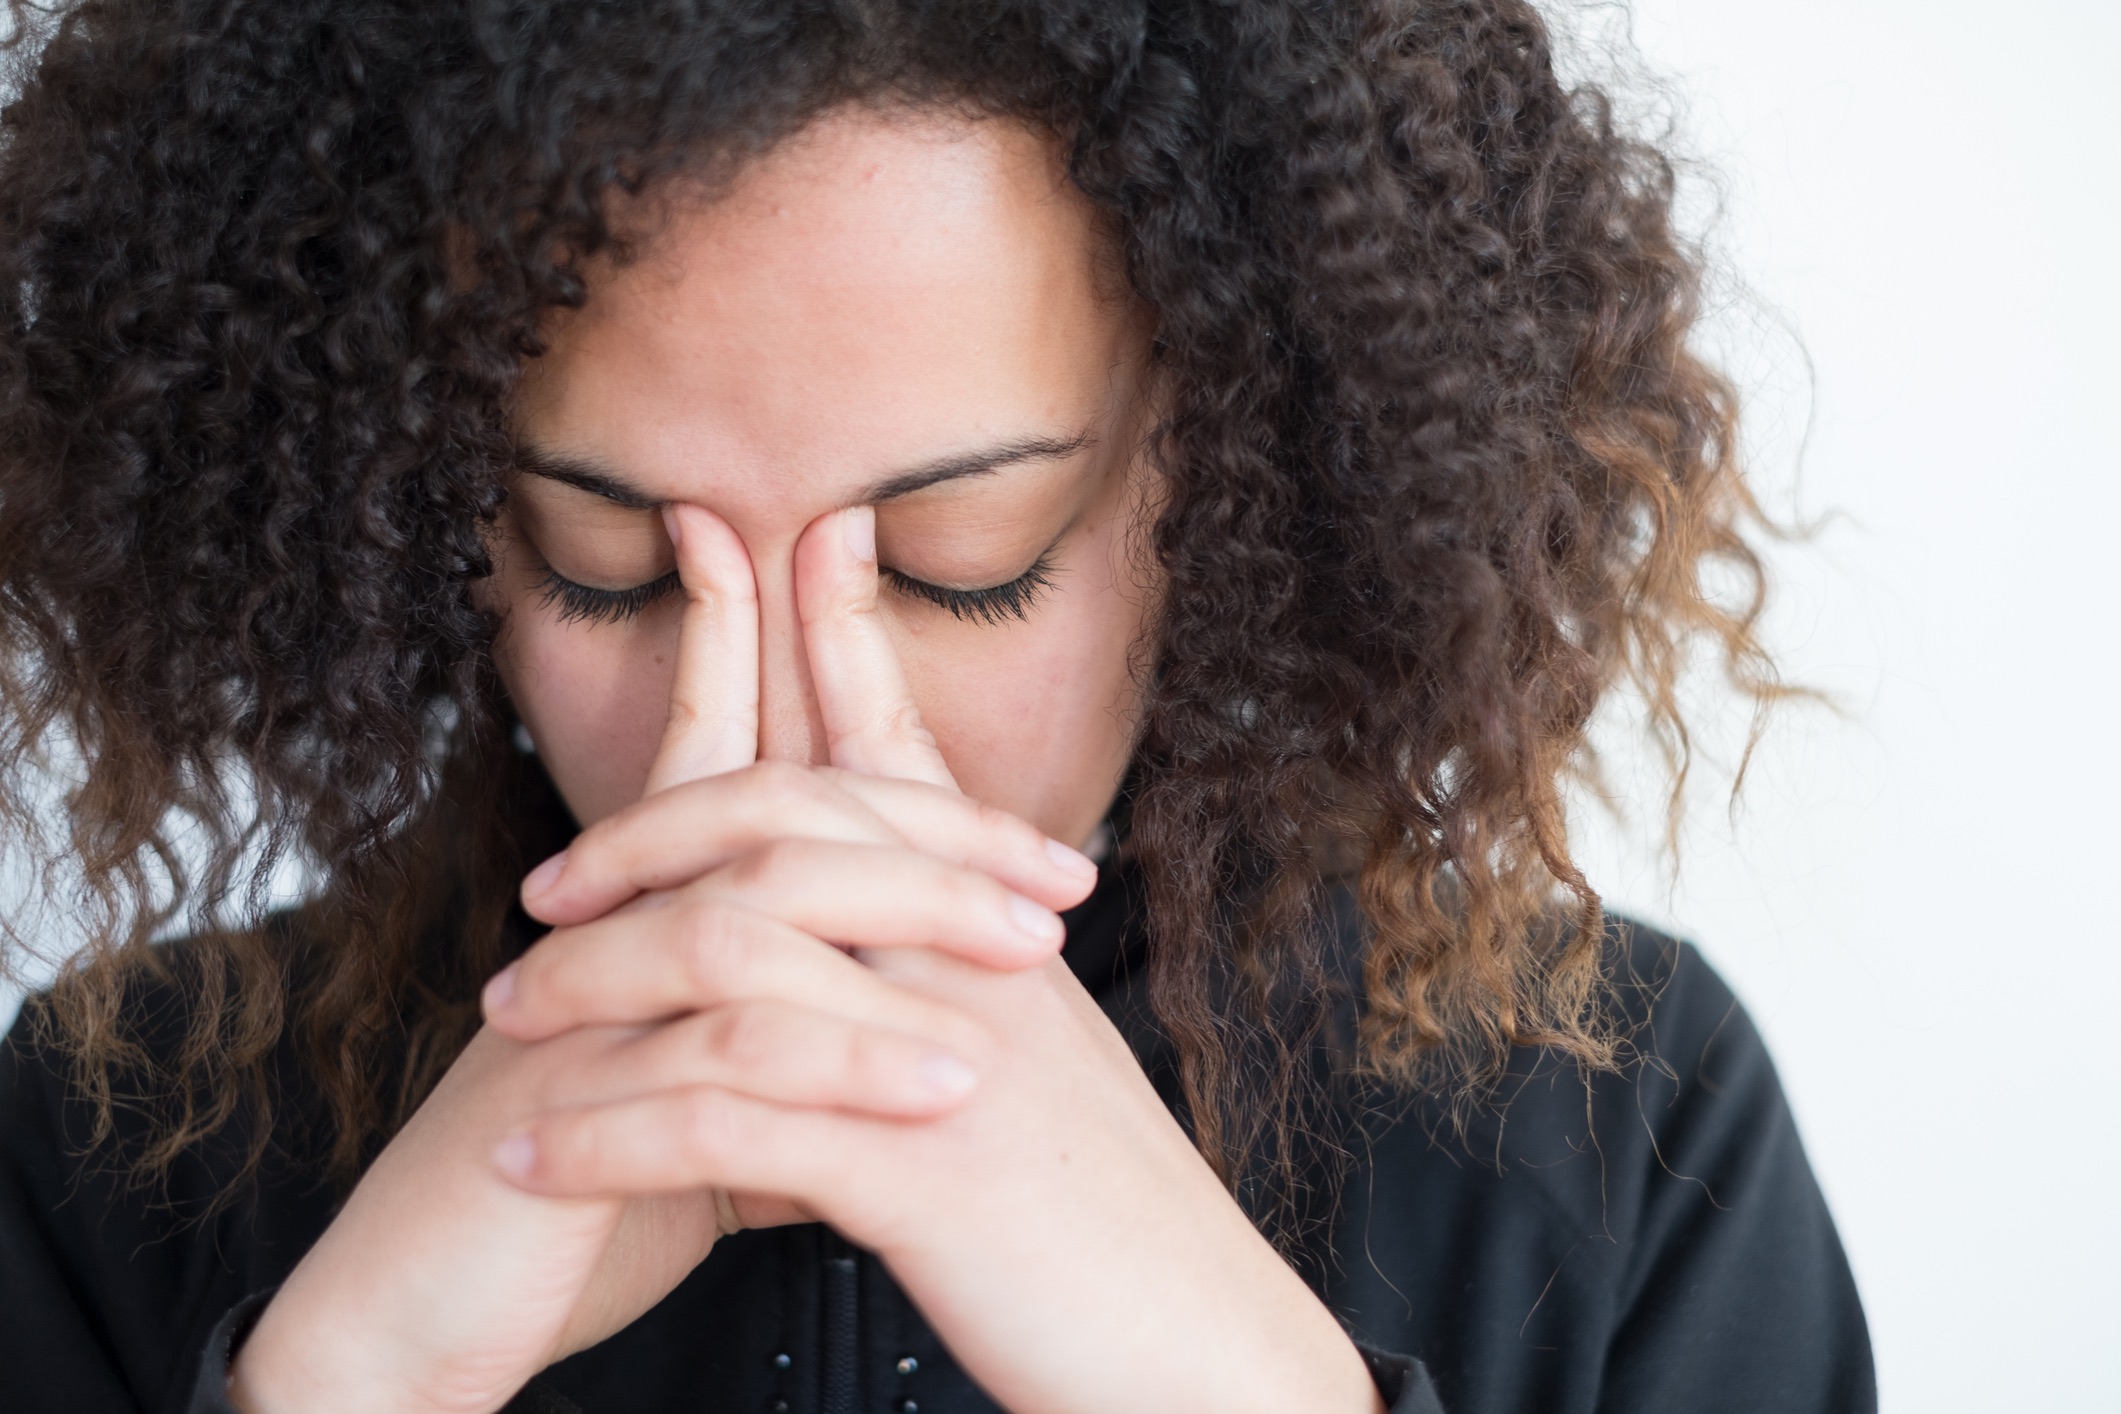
x,y
714,702
872,723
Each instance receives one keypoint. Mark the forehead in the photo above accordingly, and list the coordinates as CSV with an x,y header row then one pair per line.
x,y
879,291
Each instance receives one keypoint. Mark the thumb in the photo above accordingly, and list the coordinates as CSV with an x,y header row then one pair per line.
x,y
714,702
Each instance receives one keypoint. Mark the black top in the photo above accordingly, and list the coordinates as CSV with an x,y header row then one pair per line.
x,y
1655,1244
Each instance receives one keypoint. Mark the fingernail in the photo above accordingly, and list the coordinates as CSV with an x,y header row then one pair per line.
x,y
501,989
672,526
945,1075
1041,925
1074,861
516,1156
858,524
538,880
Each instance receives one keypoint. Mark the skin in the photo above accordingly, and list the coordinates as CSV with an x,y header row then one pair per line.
x,y
804,963
871,300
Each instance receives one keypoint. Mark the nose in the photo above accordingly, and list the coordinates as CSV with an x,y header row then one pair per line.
x,y
791,725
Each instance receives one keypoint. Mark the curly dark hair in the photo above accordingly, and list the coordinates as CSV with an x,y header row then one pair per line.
x,y
1441,470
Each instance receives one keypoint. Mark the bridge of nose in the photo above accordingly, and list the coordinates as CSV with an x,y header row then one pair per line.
x,y
791,727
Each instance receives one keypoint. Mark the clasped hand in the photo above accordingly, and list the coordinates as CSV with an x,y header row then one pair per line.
x,y
774,993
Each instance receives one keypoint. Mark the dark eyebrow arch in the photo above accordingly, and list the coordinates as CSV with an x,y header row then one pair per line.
x,y
980,463
588,476
584,476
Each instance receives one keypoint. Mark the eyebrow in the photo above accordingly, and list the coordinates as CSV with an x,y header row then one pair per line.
x,y
586,475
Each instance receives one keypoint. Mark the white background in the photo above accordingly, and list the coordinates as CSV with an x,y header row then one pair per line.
x,y
1917,899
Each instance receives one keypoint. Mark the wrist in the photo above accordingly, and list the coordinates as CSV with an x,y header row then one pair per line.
x,y
268,1374
286,1367
253,1383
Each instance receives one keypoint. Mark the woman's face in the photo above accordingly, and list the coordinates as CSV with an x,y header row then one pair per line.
x,y
914,313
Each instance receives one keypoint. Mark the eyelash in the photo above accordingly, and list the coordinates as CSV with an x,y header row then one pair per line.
x,y
578,603
991,605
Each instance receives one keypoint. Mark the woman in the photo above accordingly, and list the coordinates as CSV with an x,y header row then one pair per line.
x,y
1023,573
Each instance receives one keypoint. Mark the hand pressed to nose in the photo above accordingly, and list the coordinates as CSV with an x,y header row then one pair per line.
x,y
693,963
1055,1225
722,882
784,992
734,900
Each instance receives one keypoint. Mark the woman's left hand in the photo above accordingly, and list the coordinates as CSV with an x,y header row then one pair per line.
x,y
1058,1230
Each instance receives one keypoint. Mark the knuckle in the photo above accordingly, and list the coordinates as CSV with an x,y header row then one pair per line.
x,y
902,720
545,1091
709,1128
782,783
614,848
686,800
552,1088
814,798
560,1146
684,713
704,939
998,825
742,1037
720,950
533,979
776,864
547,977
859,1055
969,893
753,870
591,852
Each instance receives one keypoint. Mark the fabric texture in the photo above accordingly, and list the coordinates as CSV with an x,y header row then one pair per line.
x,y
1648,1240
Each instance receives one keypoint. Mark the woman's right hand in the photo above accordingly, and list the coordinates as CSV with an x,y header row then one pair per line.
x,y
441,1286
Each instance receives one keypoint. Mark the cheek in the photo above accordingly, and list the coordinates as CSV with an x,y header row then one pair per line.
x,y
594,699
1035,718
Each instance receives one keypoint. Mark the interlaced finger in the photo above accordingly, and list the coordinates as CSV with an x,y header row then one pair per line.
x,y
677,1140
779,1050
666,840
690,954
874,897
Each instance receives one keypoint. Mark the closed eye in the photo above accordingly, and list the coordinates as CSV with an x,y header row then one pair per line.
x,y
581,603
990,605
578,603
